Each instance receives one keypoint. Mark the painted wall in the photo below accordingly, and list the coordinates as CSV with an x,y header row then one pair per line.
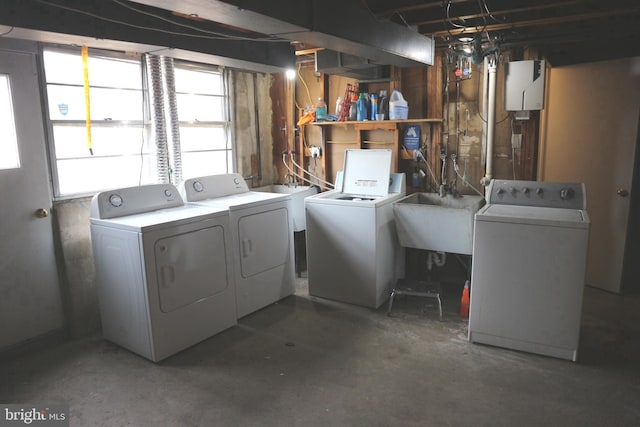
x,y
589,134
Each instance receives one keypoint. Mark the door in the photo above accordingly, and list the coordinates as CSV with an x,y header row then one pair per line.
x,y
190,267
30,299
589,133
264,241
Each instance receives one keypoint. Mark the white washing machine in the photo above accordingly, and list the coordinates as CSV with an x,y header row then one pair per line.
x,y
164,272
262,231
353,253
529,260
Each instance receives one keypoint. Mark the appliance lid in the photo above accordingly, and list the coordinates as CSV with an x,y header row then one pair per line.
x,y
533,215
367,172
162,218
243,200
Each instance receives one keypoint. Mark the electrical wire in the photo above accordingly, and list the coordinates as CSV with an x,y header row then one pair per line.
x,y
513,151
449,17
192,27
484,19
486,8
480,113
305,85
7,32
464,180
420,156
142,27
513,160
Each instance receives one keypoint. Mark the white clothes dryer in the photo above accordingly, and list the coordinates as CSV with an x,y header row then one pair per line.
x,y
164,271
353,253
262,231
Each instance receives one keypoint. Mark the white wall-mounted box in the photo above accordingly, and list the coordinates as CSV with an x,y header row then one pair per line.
x,y
524,85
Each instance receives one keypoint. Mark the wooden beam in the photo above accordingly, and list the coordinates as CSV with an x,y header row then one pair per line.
x,y
534,22
502,12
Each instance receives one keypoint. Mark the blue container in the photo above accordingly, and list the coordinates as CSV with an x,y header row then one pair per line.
x,y
362,107
374,106
411,139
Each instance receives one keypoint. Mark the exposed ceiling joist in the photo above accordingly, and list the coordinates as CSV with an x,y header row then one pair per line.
x,y
102,23
562,31
338,24
533,22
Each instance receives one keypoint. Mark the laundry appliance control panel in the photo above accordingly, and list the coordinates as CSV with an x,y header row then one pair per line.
x,y
564,195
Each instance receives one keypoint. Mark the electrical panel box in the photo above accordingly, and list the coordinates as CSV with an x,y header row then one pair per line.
x,y
524,85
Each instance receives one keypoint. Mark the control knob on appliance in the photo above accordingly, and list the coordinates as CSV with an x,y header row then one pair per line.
x,y
512,190
499,191
539,191
115,200
566,193
525,190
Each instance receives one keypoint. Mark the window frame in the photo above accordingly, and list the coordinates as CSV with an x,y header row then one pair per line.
x,y
146,125
49,123
226,123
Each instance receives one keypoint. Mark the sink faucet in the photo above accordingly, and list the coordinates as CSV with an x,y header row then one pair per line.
x,y
291,180
448,190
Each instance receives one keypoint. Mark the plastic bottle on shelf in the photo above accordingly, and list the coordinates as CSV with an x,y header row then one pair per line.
x,y
362,107
383,104
398,108
321,110
353,111
338,104
374,106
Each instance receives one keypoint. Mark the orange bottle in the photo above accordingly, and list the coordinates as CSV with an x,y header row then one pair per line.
x,y
464,301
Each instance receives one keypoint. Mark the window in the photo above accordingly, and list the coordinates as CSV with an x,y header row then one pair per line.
x,y
206,148
9,157
123,153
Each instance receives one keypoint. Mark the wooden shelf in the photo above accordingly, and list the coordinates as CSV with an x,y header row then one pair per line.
x,y
374,123
336,137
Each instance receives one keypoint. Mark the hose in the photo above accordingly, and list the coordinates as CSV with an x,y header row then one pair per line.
x,y
310,174
284,161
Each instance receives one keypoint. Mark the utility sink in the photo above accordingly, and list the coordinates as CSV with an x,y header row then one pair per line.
x,y
444,224
296,205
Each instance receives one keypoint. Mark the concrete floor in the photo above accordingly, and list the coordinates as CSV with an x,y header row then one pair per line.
x,y
311,362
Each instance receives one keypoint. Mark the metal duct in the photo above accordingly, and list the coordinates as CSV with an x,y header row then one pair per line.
x,y
159,134
171,110
342,64
344,26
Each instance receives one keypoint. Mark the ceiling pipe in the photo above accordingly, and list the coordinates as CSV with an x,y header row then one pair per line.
x,y
341,25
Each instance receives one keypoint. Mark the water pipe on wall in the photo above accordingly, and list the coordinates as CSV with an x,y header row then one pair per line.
x,y
491,120
485,83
